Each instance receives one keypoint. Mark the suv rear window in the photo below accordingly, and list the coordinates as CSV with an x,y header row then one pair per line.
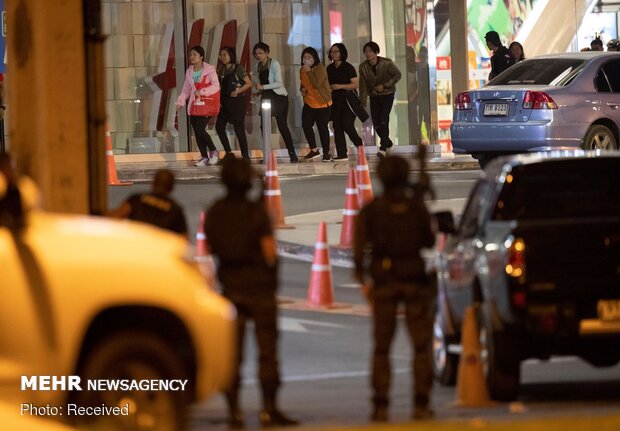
x,y
544,71
561,189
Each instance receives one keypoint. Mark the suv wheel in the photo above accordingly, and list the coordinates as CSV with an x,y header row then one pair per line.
x,y
135,355
600,137
445,364
501,364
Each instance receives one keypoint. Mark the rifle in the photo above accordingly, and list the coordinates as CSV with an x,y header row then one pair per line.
x,y
423,186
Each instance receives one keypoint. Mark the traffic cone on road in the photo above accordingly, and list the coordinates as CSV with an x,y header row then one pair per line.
x,y
112,176
202,247
273,195
471,385
203,256
349,214
321,288
364,185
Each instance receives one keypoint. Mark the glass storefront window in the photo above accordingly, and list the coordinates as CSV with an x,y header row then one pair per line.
x,y
146,57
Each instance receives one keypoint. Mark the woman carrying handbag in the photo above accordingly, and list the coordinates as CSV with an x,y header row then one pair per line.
x,y
202,88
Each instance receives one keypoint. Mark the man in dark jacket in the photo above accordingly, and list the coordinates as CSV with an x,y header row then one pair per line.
x,y
502,58
392,229
378,79
241,238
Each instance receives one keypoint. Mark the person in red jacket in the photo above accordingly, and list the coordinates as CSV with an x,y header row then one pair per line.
x,y
200,72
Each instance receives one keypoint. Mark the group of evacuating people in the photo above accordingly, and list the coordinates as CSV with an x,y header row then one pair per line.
x,y
329,94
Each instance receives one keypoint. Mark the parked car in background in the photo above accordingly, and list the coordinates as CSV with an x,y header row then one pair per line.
x,y
537,251
554,102
105,299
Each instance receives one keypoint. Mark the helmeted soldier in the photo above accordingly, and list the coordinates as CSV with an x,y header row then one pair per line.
x,y
392,229
241,238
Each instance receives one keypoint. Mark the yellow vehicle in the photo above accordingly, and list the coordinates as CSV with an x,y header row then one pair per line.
x,y
106,300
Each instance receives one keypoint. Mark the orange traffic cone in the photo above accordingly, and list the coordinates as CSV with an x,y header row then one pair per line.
x,y
321,289
471,386
349,214
112,176
202,247
203,253
363,178
273,195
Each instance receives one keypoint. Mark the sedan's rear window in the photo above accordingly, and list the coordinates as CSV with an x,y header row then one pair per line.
x,y
561,189
558,72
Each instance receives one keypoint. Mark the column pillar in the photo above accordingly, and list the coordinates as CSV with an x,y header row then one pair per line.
x,y
47,97
457,11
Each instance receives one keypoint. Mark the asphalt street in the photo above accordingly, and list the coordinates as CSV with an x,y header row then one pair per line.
x,y
325,356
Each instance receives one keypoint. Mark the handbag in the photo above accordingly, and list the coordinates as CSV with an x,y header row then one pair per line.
x,y
205,106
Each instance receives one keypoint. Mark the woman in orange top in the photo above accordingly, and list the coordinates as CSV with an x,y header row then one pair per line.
x,y
317,102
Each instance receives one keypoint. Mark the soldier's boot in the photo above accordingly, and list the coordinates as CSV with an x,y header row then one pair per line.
x,y
379,414
271,416
421,409
235,415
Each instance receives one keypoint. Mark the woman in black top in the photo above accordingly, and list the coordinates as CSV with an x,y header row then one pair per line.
x,y
342,79
234,81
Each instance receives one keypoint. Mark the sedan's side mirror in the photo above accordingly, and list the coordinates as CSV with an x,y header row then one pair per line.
x,y
445,221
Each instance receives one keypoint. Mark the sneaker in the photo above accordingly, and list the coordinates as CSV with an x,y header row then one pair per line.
x,y
336,158
381,154
294,158
202,162
214,157
312,154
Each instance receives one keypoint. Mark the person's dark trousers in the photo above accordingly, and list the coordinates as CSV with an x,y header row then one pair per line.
x,y
380,108
237,121
420,307
264,313
199,125
343,120
279,110
320,116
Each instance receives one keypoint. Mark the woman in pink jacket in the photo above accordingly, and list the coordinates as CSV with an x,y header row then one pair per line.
x,y
201,73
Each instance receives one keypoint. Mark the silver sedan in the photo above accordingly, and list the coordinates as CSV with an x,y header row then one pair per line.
x,y
554,102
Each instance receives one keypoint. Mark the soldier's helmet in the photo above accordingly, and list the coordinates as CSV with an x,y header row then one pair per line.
x,y
393,171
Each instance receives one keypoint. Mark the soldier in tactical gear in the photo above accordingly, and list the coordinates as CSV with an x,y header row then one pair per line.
x,y
392,229
241,238
157,207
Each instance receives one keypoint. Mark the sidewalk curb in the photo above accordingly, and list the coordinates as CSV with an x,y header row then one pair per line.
x,y
185,171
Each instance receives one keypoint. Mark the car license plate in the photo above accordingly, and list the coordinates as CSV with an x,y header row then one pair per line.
x,y
496,109
608,309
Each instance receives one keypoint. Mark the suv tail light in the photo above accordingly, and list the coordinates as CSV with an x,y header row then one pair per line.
x,y
462,101
516,259
538,100
515,268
